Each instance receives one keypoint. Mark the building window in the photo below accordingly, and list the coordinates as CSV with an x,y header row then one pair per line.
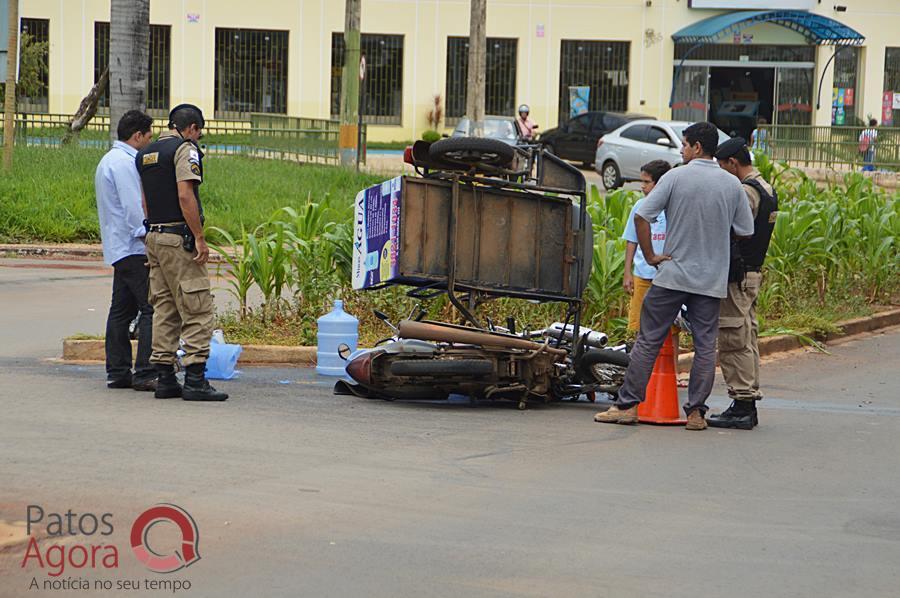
x,y
602,66
844,99
251,72
158,69
383,93
500,77
889,116
34,66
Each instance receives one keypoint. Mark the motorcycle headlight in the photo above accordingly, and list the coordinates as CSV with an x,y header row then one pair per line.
x,y
360,368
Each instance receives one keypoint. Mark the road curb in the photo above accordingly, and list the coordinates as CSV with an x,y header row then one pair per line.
x,y
782,343
93,350
87,351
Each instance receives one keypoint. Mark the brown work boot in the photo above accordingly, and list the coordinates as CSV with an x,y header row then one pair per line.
x,y
614,415
695,420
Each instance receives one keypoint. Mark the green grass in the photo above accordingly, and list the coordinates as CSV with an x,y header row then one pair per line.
x,y
388,145
49,195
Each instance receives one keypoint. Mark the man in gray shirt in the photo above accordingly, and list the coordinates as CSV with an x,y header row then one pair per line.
x,y
704,206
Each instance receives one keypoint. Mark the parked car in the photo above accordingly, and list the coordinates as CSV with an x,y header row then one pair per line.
x,y
576,139
495,127
621,153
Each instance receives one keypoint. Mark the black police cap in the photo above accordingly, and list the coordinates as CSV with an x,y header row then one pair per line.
x,y
731,148
181,107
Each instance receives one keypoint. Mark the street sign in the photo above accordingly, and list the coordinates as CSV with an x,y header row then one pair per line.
x,y
362,67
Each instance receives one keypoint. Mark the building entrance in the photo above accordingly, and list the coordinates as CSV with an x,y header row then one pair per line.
x,y
739,96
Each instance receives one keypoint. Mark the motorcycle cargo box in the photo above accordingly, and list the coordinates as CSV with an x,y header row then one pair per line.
x,y
508,242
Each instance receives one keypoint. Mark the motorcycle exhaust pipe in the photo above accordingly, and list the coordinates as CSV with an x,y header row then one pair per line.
x,y
435,332
598,340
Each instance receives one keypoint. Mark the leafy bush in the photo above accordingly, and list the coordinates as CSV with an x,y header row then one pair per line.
x,y
431,136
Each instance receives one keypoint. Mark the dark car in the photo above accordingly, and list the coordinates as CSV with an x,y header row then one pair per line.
x,y
577,138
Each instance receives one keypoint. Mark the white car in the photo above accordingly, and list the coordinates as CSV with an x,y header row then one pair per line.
x,y
621,153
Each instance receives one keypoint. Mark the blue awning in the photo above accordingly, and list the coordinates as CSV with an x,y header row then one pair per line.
x,y
817,29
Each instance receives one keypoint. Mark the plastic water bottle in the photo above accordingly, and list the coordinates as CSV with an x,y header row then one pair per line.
x,y
335,329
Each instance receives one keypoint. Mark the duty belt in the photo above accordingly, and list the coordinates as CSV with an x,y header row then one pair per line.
x,y
176,229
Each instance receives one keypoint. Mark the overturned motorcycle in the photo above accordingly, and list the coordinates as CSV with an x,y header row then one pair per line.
x,y
482,220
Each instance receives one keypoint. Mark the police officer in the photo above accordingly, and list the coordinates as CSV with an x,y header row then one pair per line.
x,y
738,328
171,170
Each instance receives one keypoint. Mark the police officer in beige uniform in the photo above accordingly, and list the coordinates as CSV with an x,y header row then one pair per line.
x,y
171,170
738,328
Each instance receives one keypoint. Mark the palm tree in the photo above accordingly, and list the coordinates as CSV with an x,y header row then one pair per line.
x,y
129,47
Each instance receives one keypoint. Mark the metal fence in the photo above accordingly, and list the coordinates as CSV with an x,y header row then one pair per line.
x,y
270,136
831,147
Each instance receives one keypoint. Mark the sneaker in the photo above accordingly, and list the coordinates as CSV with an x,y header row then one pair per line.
x,y
614,415
740,415
695,420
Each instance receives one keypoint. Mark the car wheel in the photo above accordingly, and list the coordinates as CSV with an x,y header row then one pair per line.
x,y
612,179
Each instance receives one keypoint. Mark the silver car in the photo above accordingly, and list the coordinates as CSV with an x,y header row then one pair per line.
x,y
503,128
621,153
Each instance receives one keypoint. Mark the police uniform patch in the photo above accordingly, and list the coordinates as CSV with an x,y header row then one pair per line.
x,y
150,159
195,168
194,155
773,216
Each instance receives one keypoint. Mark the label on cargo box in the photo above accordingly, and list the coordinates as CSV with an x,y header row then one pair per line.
x,y
376,234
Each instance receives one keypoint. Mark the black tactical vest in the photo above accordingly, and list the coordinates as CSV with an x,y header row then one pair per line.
x,y
156,165
753,250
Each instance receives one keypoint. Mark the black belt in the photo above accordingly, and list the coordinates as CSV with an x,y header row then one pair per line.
x,y
177,229
752,269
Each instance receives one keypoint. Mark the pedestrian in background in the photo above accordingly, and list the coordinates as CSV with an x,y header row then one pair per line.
x,y
118,190
171,171
738,327
759,138
703,204
867,141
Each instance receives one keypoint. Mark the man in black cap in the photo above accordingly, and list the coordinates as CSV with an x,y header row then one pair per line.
x,y
738,328
171,170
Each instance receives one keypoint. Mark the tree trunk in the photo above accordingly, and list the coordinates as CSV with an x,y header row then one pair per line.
x,y
87,109
477,66
129,48
9,117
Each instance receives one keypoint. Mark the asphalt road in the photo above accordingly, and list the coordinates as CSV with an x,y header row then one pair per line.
x,y
296,492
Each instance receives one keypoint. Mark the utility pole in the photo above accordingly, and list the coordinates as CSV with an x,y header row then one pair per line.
x,y
9,116
477,66
349,135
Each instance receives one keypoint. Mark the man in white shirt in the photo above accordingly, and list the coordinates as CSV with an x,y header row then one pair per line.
x,y
119,206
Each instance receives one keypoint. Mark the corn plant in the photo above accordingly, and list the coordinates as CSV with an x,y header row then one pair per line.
x,y
239,277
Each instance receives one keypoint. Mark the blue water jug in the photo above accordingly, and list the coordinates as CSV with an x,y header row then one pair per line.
x,y
335,328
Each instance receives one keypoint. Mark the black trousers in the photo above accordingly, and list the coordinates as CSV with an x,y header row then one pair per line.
x,y
129,295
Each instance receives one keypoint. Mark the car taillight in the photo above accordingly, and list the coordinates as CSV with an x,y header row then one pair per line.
x,y
360,369
407,155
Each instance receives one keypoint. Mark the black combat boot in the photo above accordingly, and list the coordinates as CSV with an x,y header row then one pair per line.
x,y
197,388
740,415
167,386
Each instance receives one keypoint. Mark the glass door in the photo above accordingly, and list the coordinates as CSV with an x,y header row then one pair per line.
x,y
691,98
793,96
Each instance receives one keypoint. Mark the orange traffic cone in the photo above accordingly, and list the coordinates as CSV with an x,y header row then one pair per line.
x,y
661,404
